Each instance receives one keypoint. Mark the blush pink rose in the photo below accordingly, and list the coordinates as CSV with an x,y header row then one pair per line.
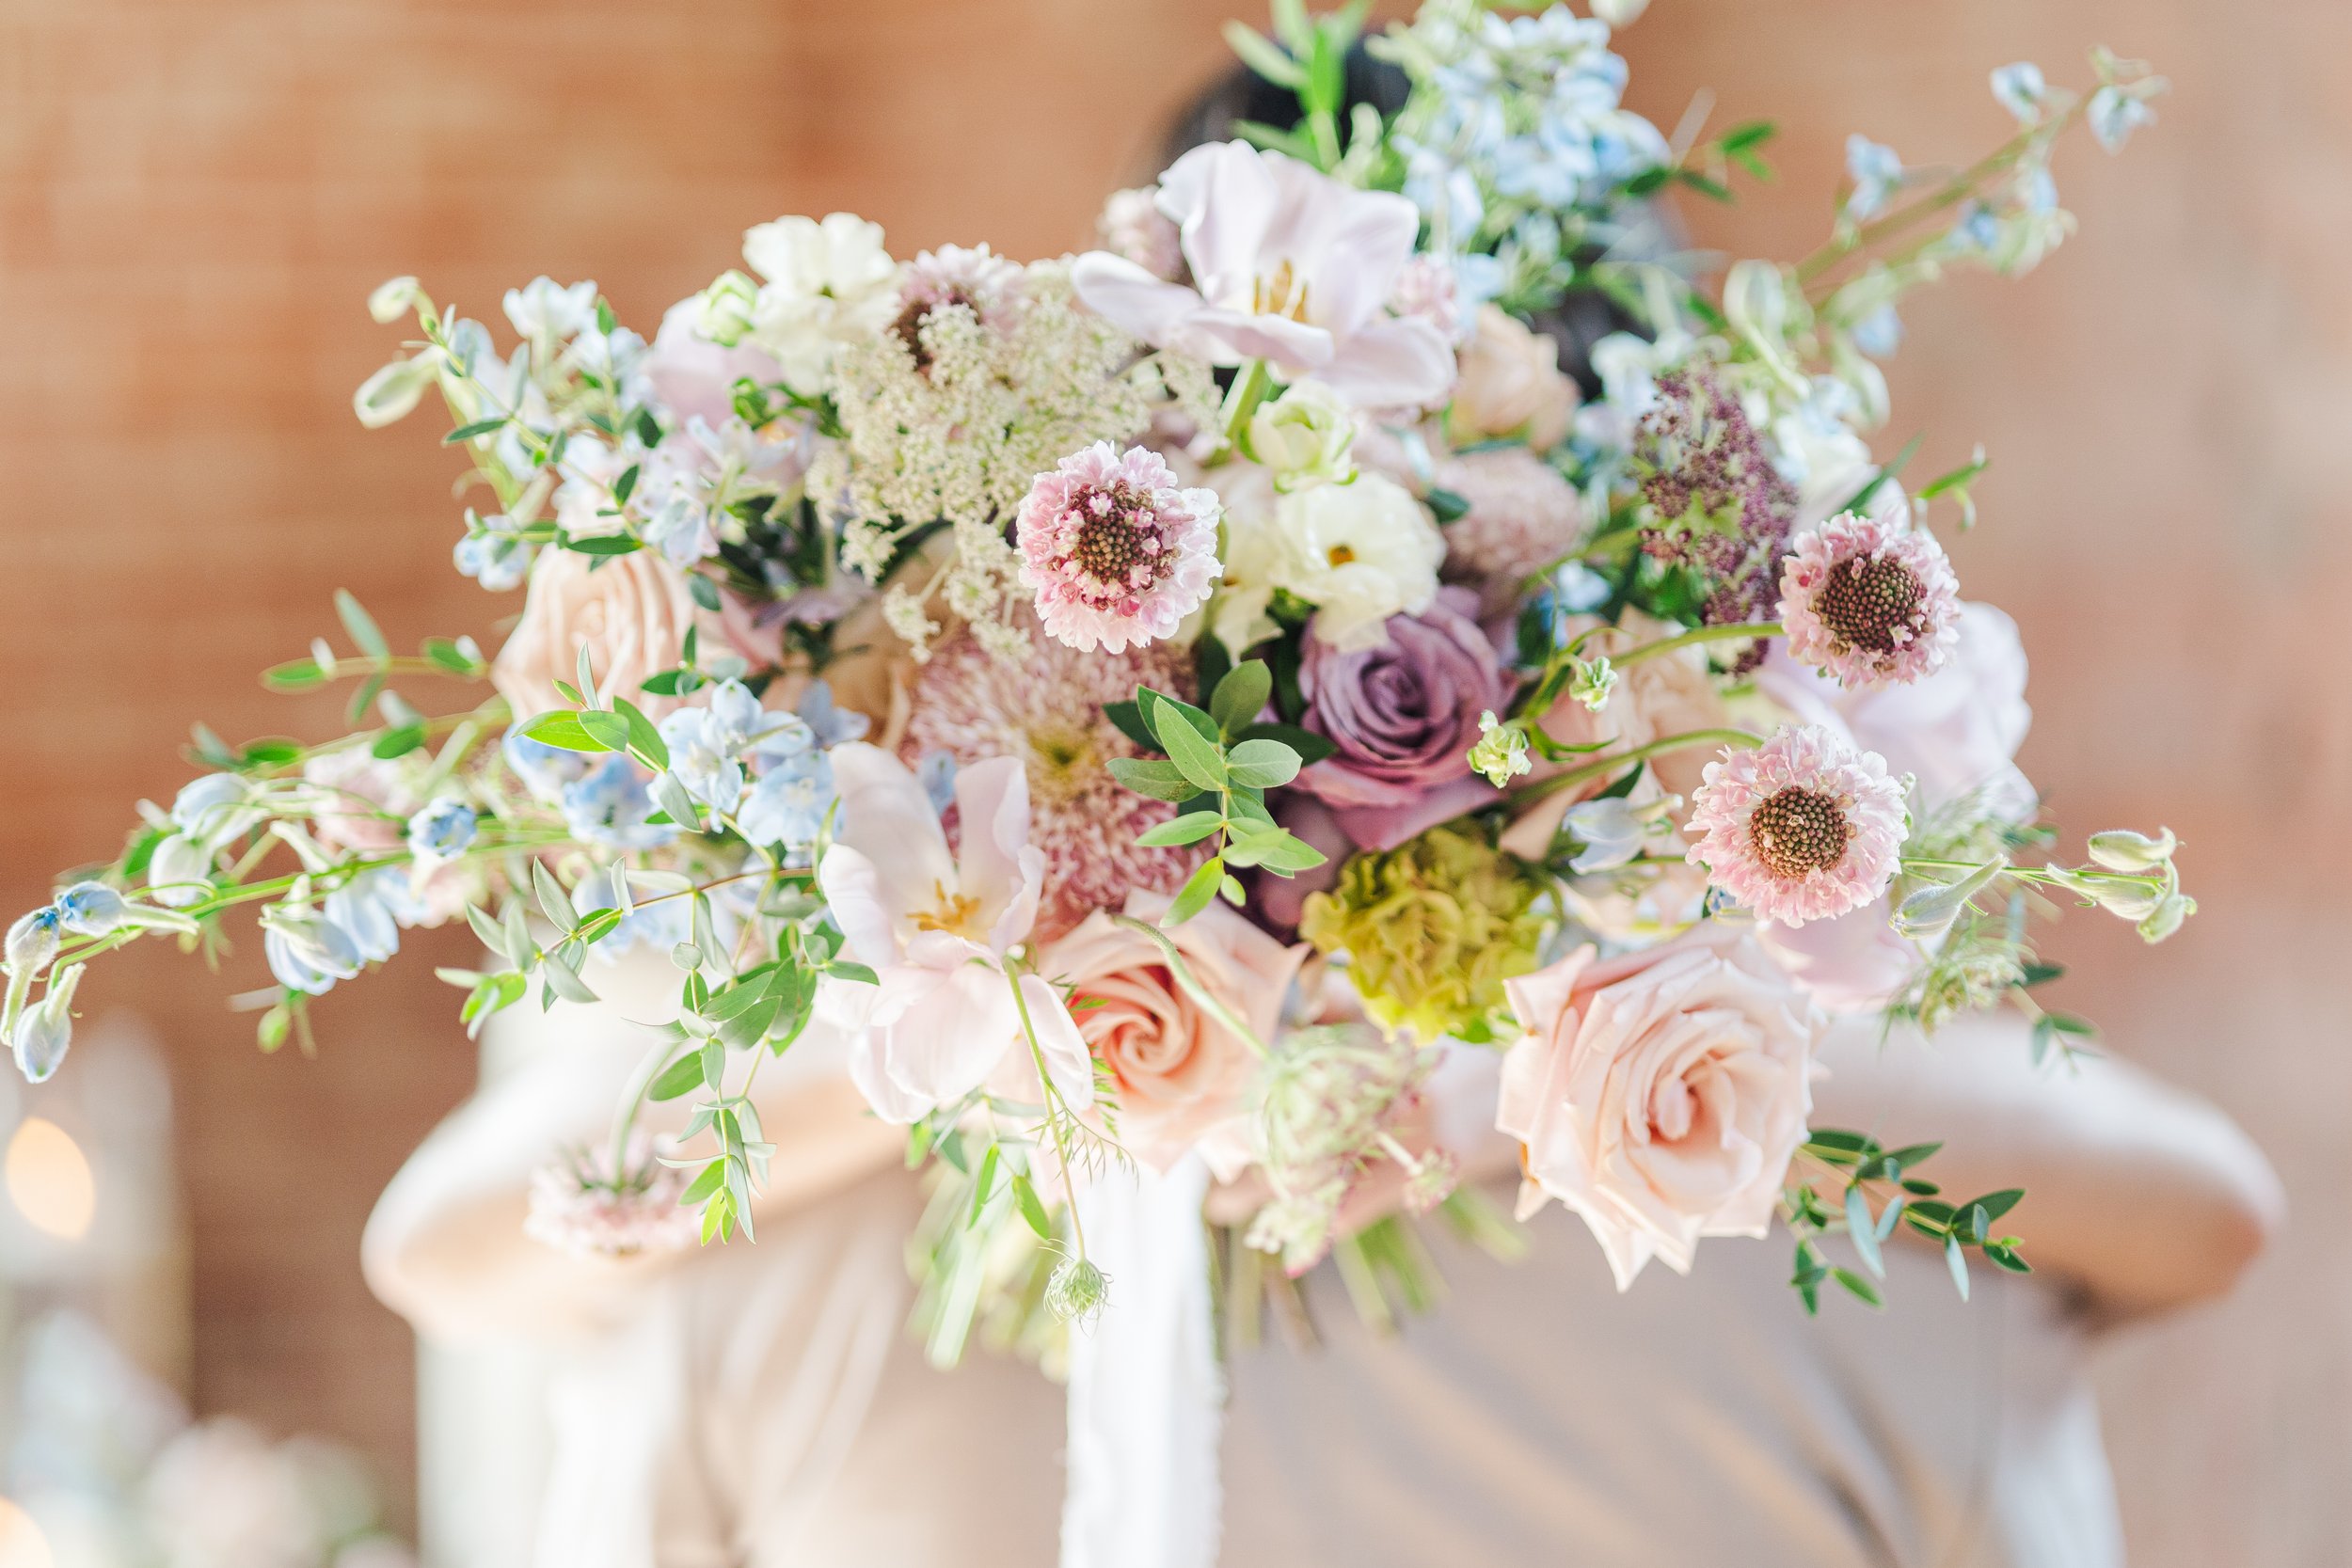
x,y
629,611
1180,1075
1661,1094
1510,385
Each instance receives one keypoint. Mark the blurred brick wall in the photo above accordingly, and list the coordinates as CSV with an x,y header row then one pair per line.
x,y
195,199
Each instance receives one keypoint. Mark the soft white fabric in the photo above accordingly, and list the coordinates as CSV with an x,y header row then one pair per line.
x,y
1540,1417
1146,1393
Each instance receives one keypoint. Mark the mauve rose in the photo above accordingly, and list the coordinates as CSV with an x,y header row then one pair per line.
x,y
1661,1094
1404,717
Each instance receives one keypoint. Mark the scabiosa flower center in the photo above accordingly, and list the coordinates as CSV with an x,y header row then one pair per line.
x,y
1116,538
1871,602
1799,831
908,328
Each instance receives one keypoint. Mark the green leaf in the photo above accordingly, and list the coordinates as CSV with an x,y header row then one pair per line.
x,y
1161,780
469,431
1893,470
271,1033
1864,1231
1857,1287
487,928
676,803
841,970
919,1143
1957,1261
1311,748
643,738
1196,758
1997,1204
1448,505
398,741
2007,1257
554,901
361,626
1957,478
1191,827
1197,891
600,544
1032,1208
450,657
682,1077
564,730
298,674
1128,719
609,730
1262,764
1712,189
713,1060
705,1183
623,486
980,1185
1242,695
1264,56
562,973
2034,974
705,591
1751,133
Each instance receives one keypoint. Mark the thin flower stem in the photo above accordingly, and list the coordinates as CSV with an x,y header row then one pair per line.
x,y
1601,766
1053,1123
1745,629
1248,391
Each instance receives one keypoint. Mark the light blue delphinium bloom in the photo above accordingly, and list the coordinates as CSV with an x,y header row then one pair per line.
x,y
658,925
494,554
44,1030
828,725
371,909
936,774
210,807
1977,228
1611,832
2114,114
444,830
2021,91
544,769
179,871
308,952
708,745
1876,171
609,807
1879,333
788,805
92,908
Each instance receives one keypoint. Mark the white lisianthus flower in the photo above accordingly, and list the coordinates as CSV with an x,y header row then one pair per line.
x,y
1304,436
828,283
1360,553
546,313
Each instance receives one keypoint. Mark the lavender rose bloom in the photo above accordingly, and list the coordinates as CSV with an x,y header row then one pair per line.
x,y
1404,717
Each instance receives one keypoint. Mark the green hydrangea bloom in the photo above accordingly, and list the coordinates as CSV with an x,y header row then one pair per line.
x,y
1431,929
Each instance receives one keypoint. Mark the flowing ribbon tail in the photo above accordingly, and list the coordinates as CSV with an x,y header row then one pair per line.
x,y
1146,1397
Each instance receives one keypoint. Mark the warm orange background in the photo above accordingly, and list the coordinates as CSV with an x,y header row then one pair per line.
x,y
198,196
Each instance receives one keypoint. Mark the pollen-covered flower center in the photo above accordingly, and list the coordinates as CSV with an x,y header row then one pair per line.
x,y
1799,831
1282,292
956,913
1865,601
1115,536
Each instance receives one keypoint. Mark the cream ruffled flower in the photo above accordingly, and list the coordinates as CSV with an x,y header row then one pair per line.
x,y
828,284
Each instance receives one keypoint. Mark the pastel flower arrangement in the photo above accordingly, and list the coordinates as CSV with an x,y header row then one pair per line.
x,y
1159,705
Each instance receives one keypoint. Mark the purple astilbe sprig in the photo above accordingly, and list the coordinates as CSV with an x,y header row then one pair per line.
x,y
1717,504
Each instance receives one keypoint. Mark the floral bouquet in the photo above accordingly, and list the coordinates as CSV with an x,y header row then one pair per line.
x,y
1150,712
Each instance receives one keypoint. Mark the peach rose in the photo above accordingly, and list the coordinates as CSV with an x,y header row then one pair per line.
x,y
1180,1074
1661,1094
1510,385
629,611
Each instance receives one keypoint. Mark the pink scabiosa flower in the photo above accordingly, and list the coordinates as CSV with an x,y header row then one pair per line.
x,y
1047,709
582,1205
1802,828
977,278
1116,551
1870,602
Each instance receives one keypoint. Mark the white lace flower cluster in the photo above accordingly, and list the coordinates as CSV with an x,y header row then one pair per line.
x,y
951,416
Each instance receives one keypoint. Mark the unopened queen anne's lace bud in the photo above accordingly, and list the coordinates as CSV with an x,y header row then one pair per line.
x,y
1076,1291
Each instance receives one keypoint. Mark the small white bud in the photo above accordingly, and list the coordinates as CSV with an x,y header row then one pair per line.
x,y
2121,850
44,1032
1304,437
393,299
1931,910
2165,919
388,395
726,307
33,942
1501,754
1591,682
